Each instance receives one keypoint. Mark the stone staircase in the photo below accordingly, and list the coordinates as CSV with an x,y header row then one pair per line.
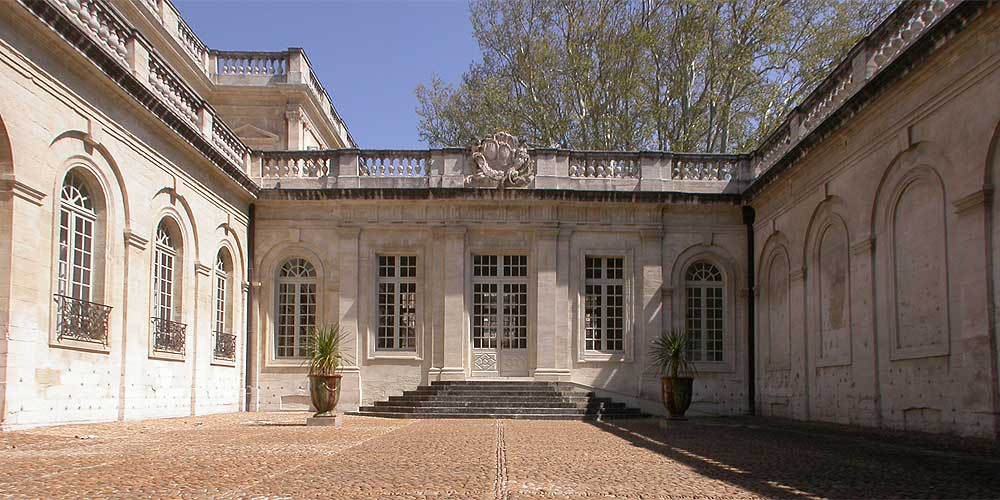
x,y
500,399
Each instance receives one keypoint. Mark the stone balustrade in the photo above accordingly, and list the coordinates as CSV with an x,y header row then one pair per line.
x,y
865,61
604,165
191,43
229,63
154,83
452,168
393,163
228,143
698,167
169,87
302,168
101,22
109,31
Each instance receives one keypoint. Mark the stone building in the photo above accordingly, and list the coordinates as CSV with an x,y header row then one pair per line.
x,y
175,219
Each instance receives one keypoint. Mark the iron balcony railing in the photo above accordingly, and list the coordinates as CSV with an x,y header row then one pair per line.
x,y
225,346
168,336
81,320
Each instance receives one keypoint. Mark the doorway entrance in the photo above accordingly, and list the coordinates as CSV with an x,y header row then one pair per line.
x,y
499,315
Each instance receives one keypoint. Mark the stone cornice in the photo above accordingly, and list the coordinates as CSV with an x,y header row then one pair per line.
x,y
21,190
973,200
202,269
493,195
133,240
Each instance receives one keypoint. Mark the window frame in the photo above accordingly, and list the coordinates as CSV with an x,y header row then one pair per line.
x,y
228,305
603,339
96,215
734,296
629,303
176,252
397,281
704,286
368,293
298,282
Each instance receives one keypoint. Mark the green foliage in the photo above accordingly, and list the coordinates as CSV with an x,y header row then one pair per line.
x,y
669,353
681,75
324,349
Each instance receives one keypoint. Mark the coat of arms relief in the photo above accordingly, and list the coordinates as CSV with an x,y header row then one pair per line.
x,y
501,160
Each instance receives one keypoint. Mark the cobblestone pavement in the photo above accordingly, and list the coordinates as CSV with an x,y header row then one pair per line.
x,y
273,455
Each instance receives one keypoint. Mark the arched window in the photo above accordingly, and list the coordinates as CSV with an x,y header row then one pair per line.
x,y
704,312
168,331
77,221
79,314
225,340
296,308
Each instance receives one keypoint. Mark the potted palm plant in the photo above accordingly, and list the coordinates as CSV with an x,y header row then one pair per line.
x,y
324,361
669,354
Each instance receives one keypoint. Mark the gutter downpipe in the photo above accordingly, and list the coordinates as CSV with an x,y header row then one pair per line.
x,y
251,380
749,216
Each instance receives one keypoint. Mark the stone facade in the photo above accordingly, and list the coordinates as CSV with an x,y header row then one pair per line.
x,y
844,271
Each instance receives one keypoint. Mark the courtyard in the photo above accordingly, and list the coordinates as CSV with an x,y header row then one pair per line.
x,y
273,455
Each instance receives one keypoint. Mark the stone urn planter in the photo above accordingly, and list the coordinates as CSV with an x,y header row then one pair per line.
x,y
324,390
669,354
324,381
676,395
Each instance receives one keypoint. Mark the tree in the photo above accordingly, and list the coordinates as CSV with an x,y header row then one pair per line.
x,y
682,75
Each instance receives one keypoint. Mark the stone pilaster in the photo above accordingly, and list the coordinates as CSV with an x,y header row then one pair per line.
x,y
348,253
454,332
650,319
548,323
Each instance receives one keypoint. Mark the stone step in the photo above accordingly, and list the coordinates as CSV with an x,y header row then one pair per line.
x,y
472,383
520,416
494,388
501,399
502,404
495,410
493,392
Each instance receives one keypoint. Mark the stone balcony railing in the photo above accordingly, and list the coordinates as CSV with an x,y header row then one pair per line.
x,y
115,46
865,62
452,168
245,67
127,55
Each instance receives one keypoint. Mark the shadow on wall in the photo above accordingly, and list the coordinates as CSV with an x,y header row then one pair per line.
x,y
776,460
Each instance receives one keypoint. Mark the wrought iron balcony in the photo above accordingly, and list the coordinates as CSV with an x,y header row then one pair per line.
x,y
78,319
168,336
225,346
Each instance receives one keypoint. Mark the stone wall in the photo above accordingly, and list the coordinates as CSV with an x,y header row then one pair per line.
x,y
874,307
61,117
343,238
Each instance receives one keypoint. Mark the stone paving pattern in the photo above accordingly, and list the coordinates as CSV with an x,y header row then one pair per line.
x,y
273,455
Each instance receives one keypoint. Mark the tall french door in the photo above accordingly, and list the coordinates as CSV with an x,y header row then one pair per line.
x,y
499,315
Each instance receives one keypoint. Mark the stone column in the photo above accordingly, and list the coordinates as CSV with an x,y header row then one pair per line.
x,y
348,253
547,320
454,315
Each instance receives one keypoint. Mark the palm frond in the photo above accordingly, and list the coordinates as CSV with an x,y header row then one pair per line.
x,y
324,349
669,353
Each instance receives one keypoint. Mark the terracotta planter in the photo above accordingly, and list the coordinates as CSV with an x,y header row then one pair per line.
x,y
676,394
324,390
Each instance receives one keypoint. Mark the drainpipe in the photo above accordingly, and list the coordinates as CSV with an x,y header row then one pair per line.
x,y
250,380
749,216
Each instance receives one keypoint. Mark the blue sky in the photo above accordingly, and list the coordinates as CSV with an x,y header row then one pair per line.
x,y
370,55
